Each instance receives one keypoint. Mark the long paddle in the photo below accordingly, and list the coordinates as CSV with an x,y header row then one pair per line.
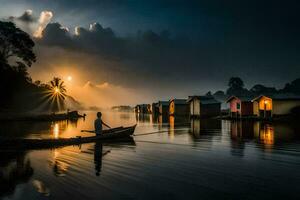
x,y
88,131
107,130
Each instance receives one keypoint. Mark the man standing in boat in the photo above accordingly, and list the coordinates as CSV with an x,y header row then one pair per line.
x,y
98,124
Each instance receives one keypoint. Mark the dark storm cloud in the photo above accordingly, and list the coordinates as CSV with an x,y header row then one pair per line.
x,y
206,42
146,47
26,17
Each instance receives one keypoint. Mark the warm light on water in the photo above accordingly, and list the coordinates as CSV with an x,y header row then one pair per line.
x,y
56,131
211,159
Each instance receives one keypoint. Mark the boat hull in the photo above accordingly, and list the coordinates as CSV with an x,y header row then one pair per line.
x,y
114,135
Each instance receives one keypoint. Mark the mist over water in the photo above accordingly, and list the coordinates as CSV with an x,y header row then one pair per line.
x,y
179,159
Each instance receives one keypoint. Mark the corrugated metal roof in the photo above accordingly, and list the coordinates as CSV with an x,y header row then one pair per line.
x,y
280,97
242,98
164,103
179,101
209,101
204,99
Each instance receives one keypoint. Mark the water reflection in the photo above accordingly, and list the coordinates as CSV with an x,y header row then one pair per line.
x,y
56,131
267,134
188,156
143,118
59,167
15,169
204,127
98,157
41,187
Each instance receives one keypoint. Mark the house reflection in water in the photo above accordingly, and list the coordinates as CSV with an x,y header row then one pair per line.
x,y
171,127
141,118
177,122
200,127
162,121
241,131
267,134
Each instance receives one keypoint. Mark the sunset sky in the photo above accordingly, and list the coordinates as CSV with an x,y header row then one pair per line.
x,y
146,50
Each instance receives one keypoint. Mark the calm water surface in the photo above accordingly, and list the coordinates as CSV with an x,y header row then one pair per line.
x,y
181,159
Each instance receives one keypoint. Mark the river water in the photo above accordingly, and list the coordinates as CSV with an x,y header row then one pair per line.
x,y
181,159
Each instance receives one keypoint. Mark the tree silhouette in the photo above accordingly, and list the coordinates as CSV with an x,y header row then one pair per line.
x,y
58,87
16,55
15,43
259,89
236,87
236,83
293,87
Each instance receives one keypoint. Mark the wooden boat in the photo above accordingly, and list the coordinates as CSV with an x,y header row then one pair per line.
x,y
110,135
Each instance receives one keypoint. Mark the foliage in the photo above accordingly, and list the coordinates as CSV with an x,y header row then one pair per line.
x,y
57,84
293,87
259,89
236,83
236,87
16,55
15,44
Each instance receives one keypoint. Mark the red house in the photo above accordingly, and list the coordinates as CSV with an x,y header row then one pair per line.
x,y
240,106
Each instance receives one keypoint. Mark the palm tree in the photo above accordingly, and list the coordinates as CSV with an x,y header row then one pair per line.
x,y
55,94
58,88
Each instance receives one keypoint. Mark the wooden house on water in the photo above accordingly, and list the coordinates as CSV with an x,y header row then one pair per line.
x,y
155,109
143,108
204,106
275,105
178,107
163,107
240,106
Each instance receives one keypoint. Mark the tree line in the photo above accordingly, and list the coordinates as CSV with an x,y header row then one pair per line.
x,y
18,91
236,87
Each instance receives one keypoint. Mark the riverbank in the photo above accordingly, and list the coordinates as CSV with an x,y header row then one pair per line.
x,y
280,118
41,116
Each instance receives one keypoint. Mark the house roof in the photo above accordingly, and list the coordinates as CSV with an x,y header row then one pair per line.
x,y
204,99
242,98
279,97
179,101
164,103
142,105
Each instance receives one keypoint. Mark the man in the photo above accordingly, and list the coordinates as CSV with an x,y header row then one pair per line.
x,y
98,124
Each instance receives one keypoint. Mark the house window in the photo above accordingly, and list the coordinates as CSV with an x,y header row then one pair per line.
x,y
238,106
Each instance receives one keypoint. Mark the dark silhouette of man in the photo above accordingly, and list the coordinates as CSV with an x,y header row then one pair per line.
x,y
98,124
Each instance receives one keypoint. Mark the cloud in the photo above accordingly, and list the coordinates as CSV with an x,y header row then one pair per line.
x,y
32,24
222,41
149,60
26,17
106,95
55,35
45,18
27,21
145,46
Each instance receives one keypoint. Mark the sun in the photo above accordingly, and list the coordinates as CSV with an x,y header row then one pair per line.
x,y
56,90
69,78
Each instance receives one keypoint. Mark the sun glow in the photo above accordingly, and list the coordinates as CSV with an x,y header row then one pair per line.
x,y
55,94
56,90
69,78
